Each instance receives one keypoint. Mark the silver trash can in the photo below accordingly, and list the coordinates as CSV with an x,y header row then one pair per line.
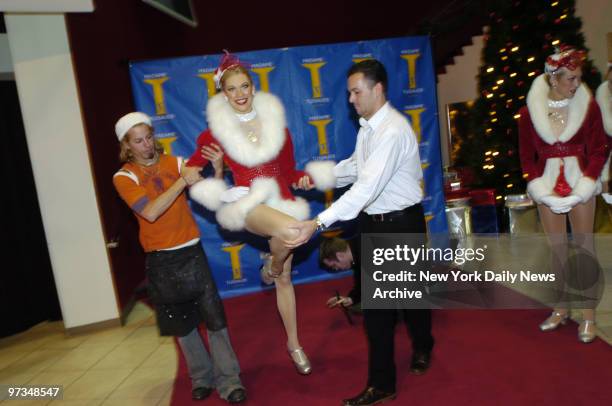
x,y
522,215
459,217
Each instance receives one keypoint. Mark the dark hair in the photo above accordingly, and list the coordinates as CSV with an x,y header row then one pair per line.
x,y
329,247
372,70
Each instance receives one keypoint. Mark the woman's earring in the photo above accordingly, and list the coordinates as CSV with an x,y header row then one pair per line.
x,y
225,97
253,92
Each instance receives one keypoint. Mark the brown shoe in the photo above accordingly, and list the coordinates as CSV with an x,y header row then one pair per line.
x,y
369,396
420,363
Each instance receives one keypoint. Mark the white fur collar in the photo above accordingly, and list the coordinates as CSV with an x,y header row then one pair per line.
x,y
537,103
226,128
603,99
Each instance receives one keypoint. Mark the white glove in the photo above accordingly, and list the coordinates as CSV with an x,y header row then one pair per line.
x,y
234,193
566,204
607,197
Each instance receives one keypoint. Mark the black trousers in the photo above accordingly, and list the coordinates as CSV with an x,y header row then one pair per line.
x,y
380,323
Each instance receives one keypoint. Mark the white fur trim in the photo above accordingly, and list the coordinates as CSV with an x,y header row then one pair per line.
x,y
537,189
127,174
585,188
207,192
537,103
226,128
545,184
322,174
263,191
298,208
603,99
605,172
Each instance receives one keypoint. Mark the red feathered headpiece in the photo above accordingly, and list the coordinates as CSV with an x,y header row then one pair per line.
x,y
564,57
227,61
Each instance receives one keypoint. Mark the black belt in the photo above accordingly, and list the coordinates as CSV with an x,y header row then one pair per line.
x,y
388,217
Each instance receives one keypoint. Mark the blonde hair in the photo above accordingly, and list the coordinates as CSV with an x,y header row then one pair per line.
x,y
125,154
235,70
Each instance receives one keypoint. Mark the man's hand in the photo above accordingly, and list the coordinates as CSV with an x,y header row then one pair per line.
x,y
342,300
304,183
305,230
191,174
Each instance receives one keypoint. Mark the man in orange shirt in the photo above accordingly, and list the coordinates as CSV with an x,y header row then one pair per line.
x,y
180,284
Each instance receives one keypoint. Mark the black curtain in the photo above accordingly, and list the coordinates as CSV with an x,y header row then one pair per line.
x,y
27,289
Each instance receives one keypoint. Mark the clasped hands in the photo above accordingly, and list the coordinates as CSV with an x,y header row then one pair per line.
x,y
560,205
339,300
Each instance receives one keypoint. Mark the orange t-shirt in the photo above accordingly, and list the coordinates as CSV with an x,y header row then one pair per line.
x,y
138,185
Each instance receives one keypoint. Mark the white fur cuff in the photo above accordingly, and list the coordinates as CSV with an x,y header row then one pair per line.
x,y
207,192
322,174
585,188
537,189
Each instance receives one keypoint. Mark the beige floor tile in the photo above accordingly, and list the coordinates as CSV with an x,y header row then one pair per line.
x,y
146,383
14,377
38,360
96,384
167,399
113,335
127,355
130,402
63,378
79,402
28,341
139,313
7,356
29,402
81,358
165,356
63,342
145,333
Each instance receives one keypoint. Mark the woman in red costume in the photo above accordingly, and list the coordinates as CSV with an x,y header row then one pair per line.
x,y
604,99
563,149
250,129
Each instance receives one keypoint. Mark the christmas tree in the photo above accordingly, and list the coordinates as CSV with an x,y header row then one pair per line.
x,y
521,35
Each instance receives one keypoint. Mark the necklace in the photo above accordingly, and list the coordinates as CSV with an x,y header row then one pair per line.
x,y
246,116
558,104
252,136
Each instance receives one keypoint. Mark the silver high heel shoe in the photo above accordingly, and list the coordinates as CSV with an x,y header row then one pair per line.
x,y
553,321
586,331
300,360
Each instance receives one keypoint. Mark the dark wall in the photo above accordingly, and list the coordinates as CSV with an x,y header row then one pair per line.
x,y
118,31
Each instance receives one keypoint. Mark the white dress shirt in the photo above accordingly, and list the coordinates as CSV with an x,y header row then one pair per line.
x,y
385,169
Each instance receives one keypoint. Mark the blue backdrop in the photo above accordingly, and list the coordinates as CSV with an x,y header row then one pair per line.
x,y
311,81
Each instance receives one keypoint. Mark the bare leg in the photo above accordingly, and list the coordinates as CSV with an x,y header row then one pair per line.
x,y
285,300
582,218
268,222
556,233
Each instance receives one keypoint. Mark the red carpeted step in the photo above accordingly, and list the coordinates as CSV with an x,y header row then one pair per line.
x,y
482,357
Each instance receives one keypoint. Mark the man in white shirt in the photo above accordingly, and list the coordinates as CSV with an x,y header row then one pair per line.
x,y
385,170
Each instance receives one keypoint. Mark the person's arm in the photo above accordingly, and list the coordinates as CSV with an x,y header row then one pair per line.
x,y
286,160
376,173
136,198
597,151
346,171
528,157
214,154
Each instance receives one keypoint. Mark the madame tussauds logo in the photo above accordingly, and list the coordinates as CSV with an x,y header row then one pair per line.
x,y
314,66
234,252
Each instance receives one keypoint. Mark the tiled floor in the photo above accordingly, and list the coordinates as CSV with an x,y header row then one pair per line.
x,y
130,365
